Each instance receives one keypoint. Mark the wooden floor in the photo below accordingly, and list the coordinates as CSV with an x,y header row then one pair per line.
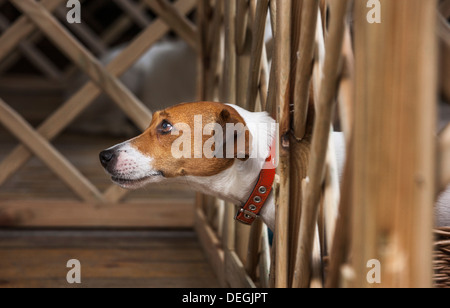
x,y
129,259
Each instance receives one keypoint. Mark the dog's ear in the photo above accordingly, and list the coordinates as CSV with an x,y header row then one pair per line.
x,y
236,136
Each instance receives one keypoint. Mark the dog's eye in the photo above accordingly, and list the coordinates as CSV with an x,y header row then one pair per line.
x,y
165,127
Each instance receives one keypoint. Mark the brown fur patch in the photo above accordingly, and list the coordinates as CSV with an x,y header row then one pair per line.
x,y
159,146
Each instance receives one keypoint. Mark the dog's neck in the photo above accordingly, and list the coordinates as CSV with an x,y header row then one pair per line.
x,y
236,184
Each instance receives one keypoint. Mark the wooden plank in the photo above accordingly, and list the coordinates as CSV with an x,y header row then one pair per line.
x,y
71,213
122,96
235,272
283,70
319,146
393,212
80,100
109,259
52,158
115,193
176,20
211,246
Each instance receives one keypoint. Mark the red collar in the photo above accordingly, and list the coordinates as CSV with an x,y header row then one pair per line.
x,y
251,209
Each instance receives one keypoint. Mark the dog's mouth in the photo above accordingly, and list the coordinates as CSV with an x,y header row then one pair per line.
x,y
132,183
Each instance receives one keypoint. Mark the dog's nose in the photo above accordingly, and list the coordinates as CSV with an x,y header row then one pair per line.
x,y
106,157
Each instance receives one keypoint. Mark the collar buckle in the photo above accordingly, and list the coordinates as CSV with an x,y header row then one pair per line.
x,y
249,212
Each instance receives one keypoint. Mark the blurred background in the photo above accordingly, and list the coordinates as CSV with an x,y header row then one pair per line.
x,y
61,205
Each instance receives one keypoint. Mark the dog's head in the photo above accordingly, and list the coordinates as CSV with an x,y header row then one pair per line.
x,y
190,139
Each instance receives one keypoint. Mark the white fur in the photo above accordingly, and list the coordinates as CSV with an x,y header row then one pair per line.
x,y
236,183
133,169
442,209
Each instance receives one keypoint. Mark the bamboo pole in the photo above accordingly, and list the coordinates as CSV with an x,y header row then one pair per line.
x,y
342,234
242,19
243,56
251,264
259,25
339,248
283,59
394,143
444,34
301,146
264,261
203,82
319,147
229,79
214,49
304,66
229,95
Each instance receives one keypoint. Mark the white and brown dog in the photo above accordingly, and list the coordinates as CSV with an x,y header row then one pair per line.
x,y
150,158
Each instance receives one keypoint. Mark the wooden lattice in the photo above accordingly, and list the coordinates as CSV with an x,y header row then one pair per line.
x,y
38,20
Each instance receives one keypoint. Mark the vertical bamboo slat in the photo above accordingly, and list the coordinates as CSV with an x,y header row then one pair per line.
x,y
282,65
304,66
394,143
319,145
256,53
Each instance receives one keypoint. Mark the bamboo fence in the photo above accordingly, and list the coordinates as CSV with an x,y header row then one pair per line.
x,y
326,58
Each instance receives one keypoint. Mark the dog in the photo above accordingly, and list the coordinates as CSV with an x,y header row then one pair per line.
x,y
150,158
